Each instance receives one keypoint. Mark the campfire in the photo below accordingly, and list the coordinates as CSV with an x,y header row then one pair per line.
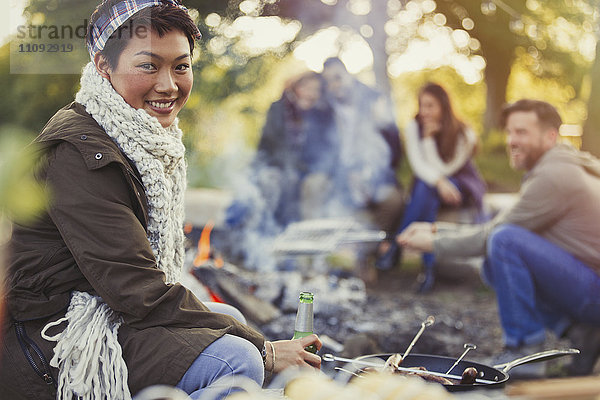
x,y
205,253
358,322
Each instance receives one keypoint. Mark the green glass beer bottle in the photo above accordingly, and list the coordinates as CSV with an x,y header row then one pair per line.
x,y
304,319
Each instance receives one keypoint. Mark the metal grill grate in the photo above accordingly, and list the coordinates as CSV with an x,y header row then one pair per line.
x,y
322,236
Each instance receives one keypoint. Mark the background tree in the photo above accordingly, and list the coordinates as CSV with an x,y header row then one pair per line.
x,y
543,36
518,47
591,128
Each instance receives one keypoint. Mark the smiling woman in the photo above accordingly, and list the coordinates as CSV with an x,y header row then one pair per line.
x,y
147,62
154,74
105,255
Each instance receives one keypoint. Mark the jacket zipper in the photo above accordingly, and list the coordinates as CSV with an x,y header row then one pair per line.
x,y
135,177
26,343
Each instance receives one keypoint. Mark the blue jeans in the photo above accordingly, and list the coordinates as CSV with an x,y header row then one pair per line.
x,y
229,358
423,206
539,286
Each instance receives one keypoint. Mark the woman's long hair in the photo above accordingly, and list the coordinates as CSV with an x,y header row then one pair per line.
x,y
450,126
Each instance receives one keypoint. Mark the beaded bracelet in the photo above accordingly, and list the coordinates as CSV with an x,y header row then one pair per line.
x,y
263,354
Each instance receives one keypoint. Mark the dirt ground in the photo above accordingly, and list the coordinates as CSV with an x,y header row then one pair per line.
x,y
464,309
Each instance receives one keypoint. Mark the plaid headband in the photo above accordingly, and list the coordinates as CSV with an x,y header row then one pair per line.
x,y
119,13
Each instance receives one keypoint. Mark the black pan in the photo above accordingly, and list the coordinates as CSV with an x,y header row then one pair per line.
x,y
489,376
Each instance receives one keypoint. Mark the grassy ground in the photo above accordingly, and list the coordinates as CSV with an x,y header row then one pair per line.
x,y
497,173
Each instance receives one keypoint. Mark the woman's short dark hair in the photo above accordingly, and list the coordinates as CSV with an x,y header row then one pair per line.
x,y
162,19
546,113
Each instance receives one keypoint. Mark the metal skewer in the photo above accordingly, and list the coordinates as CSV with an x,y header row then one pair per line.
x,y
363,237
322,236
468,347
428,322
331,357
348,372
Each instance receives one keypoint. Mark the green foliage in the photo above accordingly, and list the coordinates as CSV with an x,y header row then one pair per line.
x,y
492,161
20,195
549,37
233,88
523,83
548,31
591,129
33,98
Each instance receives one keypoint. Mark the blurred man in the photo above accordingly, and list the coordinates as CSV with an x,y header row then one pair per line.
x,y
369,146
542,254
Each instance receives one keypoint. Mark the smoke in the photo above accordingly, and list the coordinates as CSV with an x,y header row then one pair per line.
x,y
338,166
252,226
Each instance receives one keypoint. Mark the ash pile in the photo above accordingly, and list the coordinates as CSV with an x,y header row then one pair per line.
x,y
269,299
302,259
350,320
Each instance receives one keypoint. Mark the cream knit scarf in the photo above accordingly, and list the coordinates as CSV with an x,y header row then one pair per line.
x,y
87,353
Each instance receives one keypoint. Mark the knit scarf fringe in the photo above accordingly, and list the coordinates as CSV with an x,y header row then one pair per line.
x,y
88,354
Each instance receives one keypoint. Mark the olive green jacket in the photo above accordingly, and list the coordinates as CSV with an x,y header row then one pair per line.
x,y
92,237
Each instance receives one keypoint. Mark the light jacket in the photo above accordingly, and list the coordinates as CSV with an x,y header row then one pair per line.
x,y
559,200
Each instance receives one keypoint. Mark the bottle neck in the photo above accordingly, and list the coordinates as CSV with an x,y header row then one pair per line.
x,y
304,318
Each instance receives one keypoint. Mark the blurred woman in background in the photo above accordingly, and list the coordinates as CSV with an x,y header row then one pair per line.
x,y
440,148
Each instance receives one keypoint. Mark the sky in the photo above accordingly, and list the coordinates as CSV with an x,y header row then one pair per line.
x,y
11,19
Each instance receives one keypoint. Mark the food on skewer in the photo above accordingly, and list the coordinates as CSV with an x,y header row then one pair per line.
x,y
392,363
469,376
427,377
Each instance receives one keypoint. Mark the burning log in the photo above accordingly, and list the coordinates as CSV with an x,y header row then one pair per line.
x,y
225,282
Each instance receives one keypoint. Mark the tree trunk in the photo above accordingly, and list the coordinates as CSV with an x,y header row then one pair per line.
x,y
591,127
377,19
497,72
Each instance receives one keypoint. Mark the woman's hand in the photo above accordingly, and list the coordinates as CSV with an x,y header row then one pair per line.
x,y
417,236
448,192
290,353
430,128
